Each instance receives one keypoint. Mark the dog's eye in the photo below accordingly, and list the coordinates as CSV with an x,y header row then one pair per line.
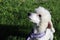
x,y
39,15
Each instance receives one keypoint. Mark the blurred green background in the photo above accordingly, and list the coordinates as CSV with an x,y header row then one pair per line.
x,y
14,12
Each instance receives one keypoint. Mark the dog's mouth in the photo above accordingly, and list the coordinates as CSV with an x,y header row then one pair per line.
x,y
29,18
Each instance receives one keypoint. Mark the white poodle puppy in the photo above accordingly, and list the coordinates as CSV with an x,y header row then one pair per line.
x,y
44,28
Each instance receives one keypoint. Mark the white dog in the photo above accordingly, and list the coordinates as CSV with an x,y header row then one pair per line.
x,y
44,28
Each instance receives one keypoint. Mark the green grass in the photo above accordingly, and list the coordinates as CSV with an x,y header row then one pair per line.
x,y
14,12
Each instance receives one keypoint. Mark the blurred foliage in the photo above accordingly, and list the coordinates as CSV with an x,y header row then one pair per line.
x,y
14,12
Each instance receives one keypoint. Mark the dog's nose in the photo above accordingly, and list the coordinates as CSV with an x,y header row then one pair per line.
x,y
29,14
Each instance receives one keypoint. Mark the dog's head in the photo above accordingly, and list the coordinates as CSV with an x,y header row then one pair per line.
x,y
34,17
41,14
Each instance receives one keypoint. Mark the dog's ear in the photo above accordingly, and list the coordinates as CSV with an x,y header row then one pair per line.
x,y
49,25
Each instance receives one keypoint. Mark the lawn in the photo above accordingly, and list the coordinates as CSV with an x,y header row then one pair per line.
x,y
14,12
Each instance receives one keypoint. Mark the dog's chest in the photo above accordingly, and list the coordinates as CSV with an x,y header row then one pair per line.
x,y
33,39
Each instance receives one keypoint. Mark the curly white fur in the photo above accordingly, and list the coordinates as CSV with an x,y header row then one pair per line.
x,y
42,22
46,17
